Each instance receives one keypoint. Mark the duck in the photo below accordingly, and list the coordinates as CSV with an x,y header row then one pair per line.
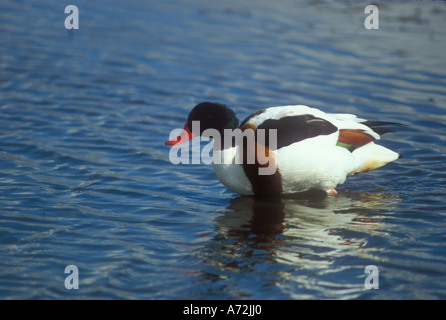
x,y
299,148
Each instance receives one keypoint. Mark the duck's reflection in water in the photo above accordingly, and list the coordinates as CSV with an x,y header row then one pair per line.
x,y
311,217
299,236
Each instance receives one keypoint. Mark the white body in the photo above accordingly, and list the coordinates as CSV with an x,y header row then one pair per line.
x,y
313,163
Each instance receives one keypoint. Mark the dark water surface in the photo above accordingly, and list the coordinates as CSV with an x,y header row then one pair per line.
x,y
85,177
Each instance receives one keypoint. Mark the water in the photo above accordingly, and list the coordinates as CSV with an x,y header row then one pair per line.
x,y
85,177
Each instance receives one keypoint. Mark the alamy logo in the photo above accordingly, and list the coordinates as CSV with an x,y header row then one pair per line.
x,y
72,21
72,280
372,20
372,280
216,151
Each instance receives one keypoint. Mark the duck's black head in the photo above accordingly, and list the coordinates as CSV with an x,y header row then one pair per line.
x,y
211,116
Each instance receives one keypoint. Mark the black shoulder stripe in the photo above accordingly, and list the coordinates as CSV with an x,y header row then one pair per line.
x,y
292,129
251,116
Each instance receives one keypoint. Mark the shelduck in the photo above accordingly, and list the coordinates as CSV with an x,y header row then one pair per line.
x,y
310,149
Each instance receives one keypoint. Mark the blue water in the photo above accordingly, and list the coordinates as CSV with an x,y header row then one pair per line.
x,y
85,177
